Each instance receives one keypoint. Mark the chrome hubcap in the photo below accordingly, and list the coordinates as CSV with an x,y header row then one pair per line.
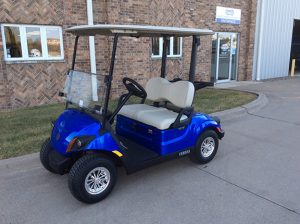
x,y
207,147
97,180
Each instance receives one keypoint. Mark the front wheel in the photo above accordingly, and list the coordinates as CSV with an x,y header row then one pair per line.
x,y
206,147
92,178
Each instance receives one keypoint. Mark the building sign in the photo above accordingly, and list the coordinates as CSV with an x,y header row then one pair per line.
x,y
228,15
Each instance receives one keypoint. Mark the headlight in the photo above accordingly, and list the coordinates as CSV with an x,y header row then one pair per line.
x,y
78,143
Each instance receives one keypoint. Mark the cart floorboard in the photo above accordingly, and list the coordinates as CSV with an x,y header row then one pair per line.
x,y
137,152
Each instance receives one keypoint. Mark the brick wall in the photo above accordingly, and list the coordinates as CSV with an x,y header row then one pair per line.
x,y
38,82
134,55
28,84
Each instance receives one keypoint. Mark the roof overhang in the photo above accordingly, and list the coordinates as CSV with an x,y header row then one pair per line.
x,y
136,30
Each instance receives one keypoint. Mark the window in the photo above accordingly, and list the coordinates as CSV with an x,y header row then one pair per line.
x,y
13,42
31,42
174,47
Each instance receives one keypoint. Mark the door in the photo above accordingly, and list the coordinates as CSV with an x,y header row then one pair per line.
x,y
224,57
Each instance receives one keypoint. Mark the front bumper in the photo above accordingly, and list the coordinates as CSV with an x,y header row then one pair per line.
x,y
221,134
60,163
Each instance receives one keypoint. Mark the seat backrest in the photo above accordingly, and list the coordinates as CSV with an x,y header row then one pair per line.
x,y
180,93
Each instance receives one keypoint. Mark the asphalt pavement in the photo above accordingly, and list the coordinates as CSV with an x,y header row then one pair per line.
x,y
255,178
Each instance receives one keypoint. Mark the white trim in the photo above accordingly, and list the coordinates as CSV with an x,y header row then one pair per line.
x,y
171,47
256,74
23,37
24,45
218,58
44,39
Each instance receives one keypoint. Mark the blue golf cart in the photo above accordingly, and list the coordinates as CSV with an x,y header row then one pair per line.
x,y
90,140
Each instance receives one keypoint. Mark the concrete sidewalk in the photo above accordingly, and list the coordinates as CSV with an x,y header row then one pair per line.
x,y
253,179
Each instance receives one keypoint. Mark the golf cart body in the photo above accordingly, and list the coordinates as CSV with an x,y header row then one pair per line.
x,y
144,134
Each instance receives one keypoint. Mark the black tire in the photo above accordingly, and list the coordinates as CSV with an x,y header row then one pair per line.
x,y
44,155
197,155
80,171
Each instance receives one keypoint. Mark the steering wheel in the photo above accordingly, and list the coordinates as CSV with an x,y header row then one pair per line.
x,y
134,88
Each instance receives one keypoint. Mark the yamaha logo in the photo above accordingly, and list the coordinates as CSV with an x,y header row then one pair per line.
x,y
183,153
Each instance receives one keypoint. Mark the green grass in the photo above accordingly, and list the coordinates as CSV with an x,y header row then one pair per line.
x,y
24,130
213,100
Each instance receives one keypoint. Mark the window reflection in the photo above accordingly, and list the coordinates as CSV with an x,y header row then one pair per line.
x,y
53,42
155,45
176,46
13,42
33,35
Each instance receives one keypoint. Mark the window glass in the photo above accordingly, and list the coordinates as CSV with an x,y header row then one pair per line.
x,y
12,42
155,46
53,42
33,35
32,42
176,46
169,48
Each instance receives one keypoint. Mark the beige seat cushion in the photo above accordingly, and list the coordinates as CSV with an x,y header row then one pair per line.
x,y
161,120
158,117
133,111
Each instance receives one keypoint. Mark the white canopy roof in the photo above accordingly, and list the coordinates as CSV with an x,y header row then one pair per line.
x,y
135,30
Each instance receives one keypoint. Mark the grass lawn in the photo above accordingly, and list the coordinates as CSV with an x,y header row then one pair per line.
x,y
24,130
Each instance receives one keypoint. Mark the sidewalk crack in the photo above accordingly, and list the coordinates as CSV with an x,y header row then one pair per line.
x,y
269,118
249,191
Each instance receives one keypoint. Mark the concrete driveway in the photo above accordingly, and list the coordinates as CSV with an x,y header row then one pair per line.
x,y
255,178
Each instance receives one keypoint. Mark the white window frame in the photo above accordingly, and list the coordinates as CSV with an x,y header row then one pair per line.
x,y
25,56
171,55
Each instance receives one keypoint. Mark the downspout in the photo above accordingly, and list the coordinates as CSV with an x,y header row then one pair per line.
x,y
90,15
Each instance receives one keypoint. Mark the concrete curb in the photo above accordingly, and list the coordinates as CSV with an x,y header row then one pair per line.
x,y
240,111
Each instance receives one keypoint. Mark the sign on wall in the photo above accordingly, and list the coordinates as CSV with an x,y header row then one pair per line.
x,y
228,15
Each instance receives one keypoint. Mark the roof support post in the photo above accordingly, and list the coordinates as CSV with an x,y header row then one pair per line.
x,y
164,56
110,75
195,45
75,52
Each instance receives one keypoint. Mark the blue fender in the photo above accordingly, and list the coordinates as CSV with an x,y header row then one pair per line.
x,y
200,123
75,123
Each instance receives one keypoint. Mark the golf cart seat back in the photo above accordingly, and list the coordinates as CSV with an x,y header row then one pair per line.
x,y
180,94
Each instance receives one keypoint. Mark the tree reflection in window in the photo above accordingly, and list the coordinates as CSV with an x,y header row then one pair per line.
x,y
34,44
53,42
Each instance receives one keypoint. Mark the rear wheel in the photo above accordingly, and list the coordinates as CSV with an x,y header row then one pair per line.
x,y
206,147
44,155
92,178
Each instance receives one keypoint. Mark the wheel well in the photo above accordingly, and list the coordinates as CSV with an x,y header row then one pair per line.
x,y
108,155
215,130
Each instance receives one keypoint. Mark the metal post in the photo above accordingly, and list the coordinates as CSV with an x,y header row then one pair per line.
x,y
110,75
75,52
196,43
293,68
164,56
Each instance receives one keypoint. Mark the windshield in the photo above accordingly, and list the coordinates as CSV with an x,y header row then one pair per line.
x,y
85,89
